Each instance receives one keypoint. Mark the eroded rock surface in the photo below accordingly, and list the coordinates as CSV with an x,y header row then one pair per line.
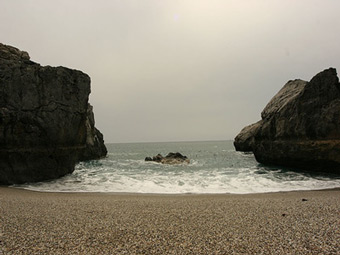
x,y
46,123
300,126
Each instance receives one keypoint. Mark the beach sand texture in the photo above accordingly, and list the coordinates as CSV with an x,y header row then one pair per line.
x,y
304,222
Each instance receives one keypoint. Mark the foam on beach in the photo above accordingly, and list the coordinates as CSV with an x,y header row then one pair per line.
x,y
215,167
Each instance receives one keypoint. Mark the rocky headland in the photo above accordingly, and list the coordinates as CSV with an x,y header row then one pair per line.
x,y
299,127
46,122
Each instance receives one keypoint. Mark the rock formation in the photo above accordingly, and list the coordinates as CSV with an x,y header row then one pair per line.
x,y
46,123
170,159
95,147
300,126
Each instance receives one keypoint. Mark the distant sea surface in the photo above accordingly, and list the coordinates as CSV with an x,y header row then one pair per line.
x,y
215,167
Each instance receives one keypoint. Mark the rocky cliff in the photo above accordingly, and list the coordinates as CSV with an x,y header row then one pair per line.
x,y
46,123
300,126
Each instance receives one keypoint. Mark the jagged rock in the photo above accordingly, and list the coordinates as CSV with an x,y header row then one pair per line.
x,y
171,159
300,126
46,123
95,147
157,158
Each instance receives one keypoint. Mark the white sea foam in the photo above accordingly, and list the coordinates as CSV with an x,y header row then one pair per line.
x,y
215,168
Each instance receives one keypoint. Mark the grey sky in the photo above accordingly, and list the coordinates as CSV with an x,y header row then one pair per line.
x,y
167,70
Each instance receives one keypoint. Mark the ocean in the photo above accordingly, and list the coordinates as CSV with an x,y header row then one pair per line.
x,y
215,167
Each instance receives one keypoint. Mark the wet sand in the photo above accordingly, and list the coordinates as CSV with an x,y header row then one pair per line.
x,y
304,222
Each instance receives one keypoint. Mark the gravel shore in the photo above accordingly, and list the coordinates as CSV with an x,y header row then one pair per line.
x,y
304,222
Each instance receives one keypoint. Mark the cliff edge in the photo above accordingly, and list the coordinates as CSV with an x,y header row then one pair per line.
x,y
46,122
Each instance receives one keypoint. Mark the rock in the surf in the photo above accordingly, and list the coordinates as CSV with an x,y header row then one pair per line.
x,y
171,159
300,126
46,122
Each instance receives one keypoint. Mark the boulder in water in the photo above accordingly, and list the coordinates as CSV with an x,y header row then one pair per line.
x,y
171,159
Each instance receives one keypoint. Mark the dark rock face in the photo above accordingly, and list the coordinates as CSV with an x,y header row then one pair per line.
x,y
245,139
300,126
46,123
95,147
171,159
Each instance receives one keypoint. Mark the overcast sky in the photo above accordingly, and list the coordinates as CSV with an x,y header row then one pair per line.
x,y
178,70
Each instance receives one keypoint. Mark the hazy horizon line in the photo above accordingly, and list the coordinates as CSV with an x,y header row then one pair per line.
x,y
181,141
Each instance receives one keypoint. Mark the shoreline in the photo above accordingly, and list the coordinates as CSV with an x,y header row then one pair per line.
x,y
165,194
294,222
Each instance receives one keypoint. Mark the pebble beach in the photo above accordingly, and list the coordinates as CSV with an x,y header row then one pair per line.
x,y
301,222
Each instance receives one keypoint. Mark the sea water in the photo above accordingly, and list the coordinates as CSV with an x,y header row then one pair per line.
x,y
215,167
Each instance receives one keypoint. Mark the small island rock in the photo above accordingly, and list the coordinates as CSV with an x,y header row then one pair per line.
x,y
170,159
